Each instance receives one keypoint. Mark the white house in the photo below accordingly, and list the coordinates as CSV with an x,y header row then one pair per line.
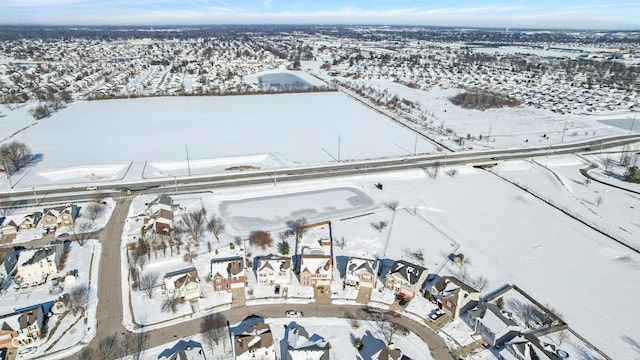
x,y
183,283
302,346
35,265
361,272
274,270
492,325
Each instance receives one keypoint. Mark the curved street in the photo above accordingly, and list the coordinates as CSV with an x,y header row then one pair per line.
x,y
109,311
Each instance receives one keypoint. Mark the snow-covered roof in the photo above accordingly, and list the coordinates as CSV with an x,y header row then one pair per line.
x,y
301,346
256,337
178,279
407,271
227,267
275,263
356,266
315,264
184,350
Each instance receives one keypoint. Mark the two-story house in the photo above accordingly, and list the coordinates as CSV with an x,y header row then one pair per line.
x,y
30,221
407,278
492,325
528,346
361,272
9,227
228,273
254,343
55,218
302,346
454,297
34,266
184,350
274,270
159,222
183,283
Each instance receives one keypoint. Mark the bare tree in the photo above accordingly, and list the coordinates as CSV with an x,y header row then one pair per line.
x,y
599,201
93,210
213,328
148,282
108,348
436,169
215,225
608,161
561,336
383,327
78,298
15,155
587,181
299,226
133,345
193,224
453,172
354,322
171,303
480,283
393,205
527,312
82,229
380,225
87,353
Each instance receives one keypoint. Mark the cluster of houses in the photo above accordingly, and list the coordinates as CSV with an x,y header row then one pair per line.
x,y
26,268
49,220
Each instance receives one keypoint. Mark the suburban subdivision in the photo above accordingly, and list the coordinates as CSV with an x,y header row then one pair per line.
x,y
318,192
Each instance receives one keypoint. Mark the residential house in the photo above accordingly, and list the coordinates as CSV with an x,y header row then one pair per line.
x,y
361,272
315,258
9,228
184,350
406,278
274,270
9,261
389,352
454,297
302,346
8,332
254,343
159,222
183,283
227,273
162,202
57,217
30,221
492,325
33,266
31,323
528,347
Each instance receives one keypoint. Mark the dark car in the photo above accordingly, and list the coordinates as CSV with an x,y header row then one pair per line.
x,y
403,302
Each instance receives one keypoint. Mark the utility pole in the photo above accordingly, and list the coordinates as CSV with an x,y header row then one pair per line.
x,y
35,196
564,129
188,163
175,181
489,136
338,147
632,123
6,170
415,145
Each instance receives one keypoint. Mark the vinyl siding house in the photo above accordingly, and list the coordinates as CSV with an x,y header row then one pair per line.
x,y
302,346
26,324
34,266
274,270
183,283
184,350
361,272
406,278
30,221
527,347
10,227
454,297
160,222
254,343
227,273
492,325
57,217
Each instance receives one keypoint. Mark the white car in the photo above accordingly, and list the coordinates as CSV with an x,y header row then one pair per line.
x,y
293,314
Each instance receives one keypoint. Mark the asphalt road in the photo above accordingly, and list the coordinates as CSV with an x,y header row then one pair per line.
x,y
109,313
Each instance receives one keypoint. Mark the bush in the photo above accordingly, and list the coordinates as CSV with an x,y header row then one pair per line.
x,y
261,238
632,174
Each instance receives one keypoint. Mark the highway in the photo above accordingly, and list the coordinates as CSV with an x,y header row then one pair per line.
x,y
50,194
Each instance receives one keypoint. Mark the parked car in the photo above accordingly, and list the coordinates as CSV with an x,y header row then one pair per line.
x,y
403,302
277,290
62,235
92,188
293,314
436,314
399,297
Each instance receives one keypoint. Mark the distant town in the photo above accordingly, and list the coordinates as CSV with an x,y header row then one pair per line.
x,y
502,207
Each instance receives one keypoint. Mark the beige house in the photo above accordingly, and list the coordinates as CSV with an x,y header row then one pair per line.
x,y
10,228
406,278
361,272
30,221
57,217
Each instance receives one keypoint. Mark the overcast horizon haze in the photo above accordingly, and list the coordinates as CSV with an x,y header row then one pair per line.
x,y
544,14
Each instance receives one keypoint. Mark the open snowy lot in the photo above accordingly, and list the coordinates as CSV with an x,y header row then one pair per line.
x,y
291,128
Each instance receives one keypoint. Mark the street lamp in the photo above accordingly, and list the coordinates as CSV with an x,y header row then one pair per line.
x,y
632,123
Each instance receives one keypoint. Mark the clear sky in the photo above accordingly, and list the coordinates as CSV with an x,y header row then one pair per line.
x,y
563,14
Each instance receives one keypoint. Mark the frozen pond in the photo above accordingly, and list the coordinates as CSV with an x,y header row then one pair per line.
x,y
284,80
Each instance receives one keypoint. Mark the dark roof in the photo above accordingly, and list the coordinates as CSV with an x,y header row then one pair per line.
x,y
443,281
407,270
